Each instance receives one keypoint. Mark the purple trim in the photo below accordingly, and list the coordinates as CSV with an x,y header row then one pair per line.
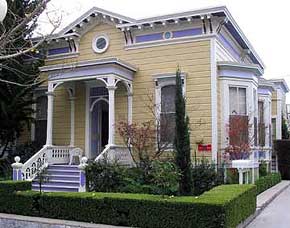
x,y
82,179
149,37
19,174
264,91
15,175
187,32
57,51
229,46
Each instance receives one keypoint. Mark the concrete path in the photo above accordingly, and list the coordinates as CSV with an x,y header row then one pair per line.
x,y
276,214
17,221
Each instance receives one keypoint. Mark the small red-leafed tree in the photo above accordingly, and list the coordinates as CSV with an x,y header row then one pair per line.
x,y
239,139
140,141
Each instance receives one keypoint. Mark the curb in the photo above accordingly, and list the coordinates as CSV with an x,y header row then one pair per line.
x,y
260,209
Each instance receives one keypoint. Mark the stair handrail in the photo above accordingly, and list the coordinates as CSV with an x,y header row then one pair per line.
x,y
38,161
104,154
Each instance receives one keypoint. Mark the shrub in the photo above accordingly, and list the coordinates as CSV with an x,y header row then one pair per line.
x,y
205,177
104,177
232,176
263,183
12,186
165,177
223,206
263,169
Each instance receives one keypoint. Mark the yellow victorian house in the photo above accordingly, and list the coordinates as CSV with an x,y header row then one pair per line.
x,y
104,67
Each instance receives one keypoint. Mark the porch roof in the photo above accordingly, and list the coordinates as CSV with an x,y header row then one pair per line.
x,y
89,69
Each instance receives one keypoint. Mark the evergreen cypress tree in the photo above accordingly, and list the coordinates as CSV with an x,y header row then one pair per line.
x,y
182,140
18,79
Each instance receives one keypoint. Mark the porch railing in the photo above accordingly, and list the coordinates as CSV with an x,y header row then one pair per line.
x,y
47,155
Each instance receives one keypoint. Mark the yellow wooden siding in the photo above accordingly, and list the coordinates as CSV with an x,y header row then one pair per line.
x,y
61,117
80,115
121,109
193,59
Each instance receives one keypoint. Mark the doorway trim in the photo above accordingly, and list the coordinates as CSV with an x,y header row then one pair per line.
x,y
89,85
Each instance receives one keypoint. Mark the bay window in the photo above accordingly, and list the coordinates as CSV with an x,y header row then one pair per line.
x,y
238,119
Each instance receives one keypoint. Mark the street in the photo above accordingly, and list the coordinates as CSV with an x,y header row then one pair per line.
x,y
276,214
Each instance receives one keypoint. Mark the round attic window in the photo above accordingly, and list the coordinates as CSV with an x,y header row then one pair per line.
x,y
100,43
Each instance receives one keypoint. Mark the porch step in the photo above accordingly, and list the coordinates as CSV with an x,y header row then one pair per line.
x,y
57,188
61,178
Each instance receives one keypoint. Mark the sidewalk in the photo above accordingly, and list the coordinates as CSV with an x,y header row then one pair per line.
x,y
264,199
10,220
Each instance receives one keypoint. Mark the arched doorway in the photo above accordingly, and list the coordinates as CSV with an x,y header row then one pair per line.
x,y
99,126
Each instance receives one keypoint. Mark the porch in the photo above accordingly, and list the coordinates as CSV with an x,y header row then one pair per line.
x,y
102,82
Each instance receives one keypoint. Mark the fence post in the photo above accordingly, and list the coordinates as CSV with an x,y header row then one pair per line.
x,y
17,169
82,180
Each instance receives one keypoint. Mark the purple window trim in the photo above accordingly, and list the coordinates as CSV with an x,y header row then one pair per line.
x,y
57,51
149,37
187,32
229,46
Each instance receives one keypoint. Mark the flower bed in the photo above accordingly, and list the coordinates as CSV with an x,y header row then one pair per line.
x,y
223,206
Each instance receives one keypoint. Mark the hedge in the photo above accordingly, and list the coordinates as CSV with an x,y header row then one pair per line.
x,y
263,183
223,206
12,186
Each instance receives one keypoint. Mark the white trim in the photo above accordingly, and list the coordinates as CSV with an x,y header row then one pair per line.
x,y
251,109
214,112
162,80
87,63
87,122
94,43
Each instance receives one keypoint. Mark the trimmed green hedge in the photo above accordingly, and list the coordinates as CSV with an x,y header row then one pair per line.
x,y
263,183
223,206
12,186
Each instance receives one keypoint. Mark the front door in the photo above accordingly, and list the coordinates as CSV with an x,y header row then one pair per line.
x,y
99,127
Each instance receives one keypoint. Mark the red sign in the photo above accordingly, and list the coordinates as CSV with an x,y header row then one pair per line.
x,y
204,147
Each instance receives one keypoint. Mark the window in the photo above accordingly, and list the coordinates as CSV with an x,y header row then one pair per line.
x,y
41,120
238,120
100,43
165,107
238,105
262,129
167,114
274,129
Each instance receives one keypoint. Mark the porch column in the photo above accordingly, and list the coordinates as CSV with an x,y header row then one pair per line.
x,y
72,121
130,102
50,98
111,90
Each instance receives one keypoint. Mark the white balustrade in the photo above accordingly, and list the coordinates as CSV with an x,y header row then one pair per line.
x,y
47,155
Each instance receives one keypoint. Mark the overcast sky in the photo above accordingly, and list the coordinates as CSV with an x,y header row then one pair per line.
x,y
265,23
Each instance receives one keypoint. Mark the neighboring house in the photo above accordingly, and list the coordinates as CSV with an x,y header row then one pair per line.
x,y
103,68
